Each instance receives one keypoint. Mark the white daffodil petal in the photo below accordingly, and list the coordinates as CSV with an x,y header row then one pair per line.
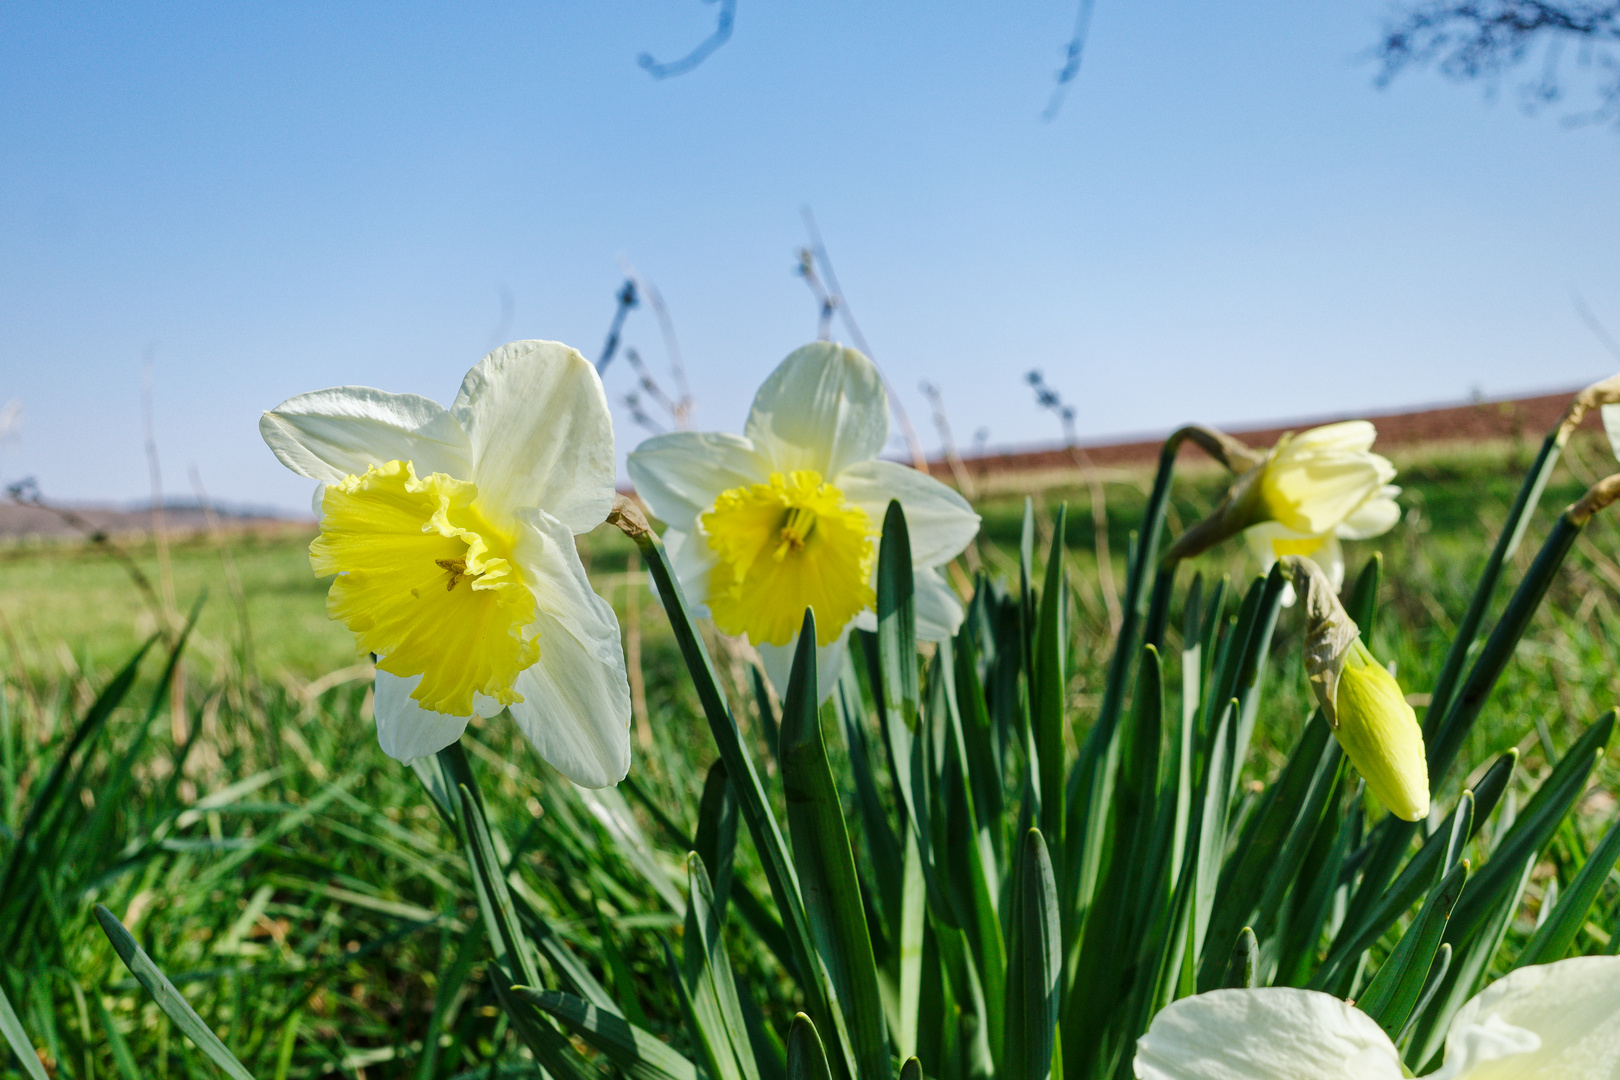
x,y
405,730
1352,436
1273,1033
1330,557
778,663
330,434
540,432
576,697
1315,492
824,409
939,521
1611,425
939,612
679,474
1571,1009
691,558
1375,517
1270,541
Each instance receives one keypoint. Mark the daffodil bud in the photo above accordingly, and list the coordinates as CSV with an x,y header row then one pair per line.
x,y
1361,700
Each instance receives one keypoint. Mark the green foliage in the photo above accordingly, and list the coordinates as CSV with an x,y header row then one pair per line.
x,y
996,856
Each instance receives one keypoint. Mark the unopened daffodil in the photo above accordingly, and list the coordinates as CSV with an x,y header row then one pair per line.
x,y
450,533
788,515
1361,700
1547,1022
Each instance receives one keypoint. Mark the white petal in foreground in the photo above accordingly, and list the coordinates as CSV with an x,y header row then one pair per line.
x,y
691,558
1548,1022
830,659
679,474
1273,1033
824,408
576,697
407,731
540,432
937,608
939,612
330,434
939,521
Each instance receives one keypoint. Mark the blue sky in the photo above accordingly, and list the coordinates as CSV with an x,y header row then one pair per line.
x,y
1226,221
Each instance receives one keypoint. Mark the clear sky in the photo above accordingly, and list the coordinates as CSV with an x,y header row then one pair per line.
x,y
1226,221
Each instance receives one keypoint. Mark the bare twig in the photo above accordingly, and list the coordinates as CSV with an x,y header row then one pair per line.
x,y
918,458
26,492
1593,324
722,32
1071,60
179,729
1048,398
826,302
627,299
632,649
942,424
497,337
680,409
233,580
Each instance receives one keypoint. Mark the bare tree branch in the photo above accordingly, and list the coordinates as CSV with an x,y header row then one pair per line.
x,y
1484,39
722,32
1071,60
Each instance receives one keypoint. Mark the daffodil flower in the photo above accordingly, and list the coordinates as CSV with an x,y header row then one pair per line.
x,y
451,535
1319,487
788,515
1547,1022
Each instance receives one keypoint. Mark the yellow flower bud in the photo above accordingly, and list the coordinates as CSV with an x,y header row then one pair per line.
x,y
1380,732
1361,700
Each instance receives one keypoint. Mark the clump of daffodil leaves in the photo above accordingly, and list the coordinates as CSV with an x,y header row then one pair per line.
x,y
450,533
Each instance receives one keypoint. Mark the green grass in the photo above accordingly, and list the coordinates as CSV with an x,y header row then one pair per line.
x,y
319,914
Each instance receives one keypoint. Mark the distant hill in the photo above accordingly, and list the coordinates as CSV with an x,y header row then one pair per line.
x,y
188,518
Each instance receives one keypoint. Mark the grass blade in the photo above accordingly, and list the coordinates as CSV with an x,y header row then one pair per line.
x,y
640,1054
1048,684
1395,990
1553,937
169,999
12,1029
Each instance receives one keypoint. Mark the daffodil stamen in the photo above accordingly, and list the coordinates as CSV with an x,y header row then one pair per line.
x,y
796,529
458,570
379,534
821,553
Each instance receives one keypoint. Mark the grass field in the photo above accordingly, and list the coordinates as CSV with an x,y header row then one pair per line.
x,y
297,884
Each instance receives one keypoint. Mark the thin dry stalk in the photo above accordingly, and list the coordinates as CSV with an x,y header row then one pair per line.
x,y
1099,529
179,729
632,650
918,459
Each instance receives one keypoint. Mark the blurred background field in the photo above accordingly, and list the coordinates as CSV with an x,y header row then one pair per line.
x,y
239,816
